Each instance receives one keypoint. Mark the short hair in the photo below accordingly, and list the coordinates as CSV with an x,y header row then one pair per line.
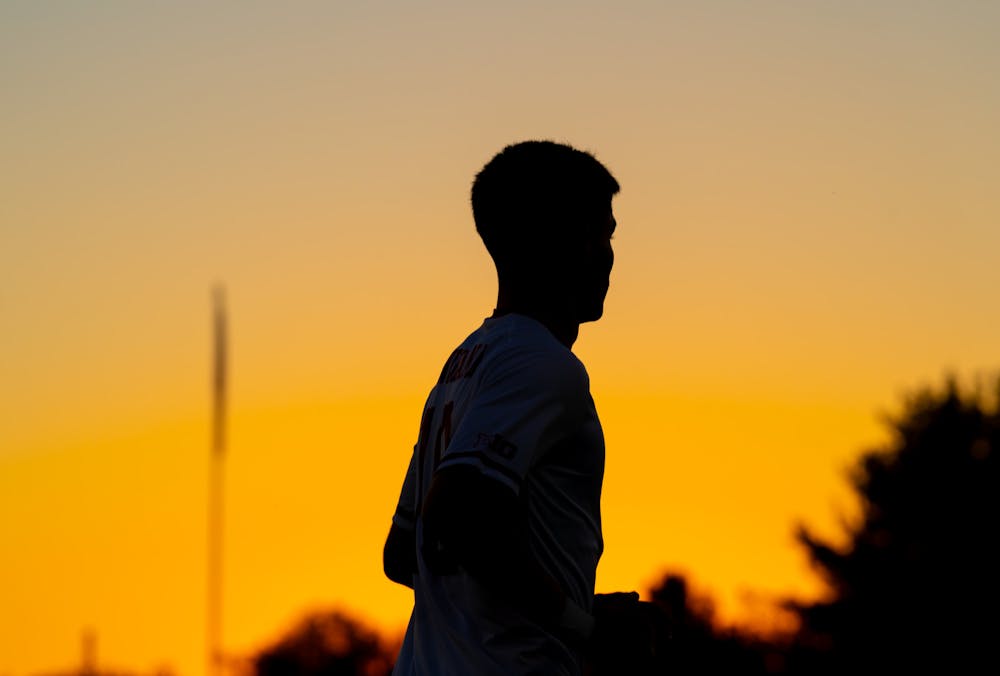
x,y
536,193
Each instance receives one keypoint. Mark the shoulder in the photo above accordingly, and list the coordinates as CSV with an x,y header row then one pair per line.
x,y
522,351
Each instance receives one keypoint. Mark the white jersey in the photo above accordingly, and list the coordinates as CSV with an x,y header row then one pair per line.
x,y
515,403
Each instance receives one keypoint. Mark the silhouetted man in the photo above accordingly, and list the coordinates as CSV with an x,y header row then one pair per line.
x,y
498,525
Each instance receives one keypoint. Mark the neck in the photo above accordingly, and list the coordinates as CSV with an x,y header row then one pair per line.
x,y
565,330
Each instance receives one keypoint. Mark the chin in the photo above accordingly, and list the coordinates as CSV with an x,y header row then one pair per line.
x,y
591,314
590,306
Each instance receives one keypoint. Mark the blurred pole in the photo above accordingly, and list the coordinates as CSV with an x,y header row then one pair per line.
x,y
88,663
215,493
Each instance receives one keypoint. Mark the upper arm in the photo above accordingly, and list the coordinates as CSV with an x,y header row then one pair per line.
x,y
516,414
524,404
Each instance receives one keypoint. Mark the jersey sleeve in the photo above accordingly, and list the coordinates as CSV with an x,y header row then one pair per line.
x,y
518,412
406,507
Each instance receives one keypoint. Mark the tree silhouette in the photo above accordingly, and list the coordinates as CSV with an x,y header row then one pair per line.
x,y
327,644
915,586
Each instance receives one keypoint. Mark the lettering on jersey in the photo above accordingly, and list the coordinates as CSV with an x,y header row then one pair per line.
x,y
494,443
462,363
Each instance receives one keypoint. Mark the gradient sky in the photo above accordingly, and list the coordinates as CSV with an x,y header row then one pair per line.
x,y
808,229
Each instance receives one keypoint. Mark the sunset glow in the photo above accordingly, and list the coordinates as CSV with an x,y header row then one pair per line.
x,y
807,230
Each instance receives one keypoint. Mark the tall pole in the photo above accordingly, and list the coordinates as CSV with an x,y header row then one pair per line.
x,y
215,489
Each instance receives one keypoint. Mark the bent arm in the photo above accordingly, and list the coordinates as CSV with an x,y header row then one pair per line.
x,y
399,556
479,523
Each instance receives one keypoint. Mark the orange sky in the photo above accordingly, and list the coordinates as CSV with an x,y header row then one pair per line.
x,y
807,229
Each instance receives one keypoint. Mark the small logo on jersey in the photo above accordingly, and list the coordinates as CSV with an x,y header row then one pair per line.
x,y
494,443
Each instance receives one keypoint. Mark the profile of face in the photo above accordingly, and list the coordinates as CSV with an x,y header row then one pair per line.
x,y
593,269
566,276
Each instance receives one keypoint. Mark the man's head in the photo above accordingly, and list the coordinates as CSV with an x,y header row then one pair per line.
x,y
543,210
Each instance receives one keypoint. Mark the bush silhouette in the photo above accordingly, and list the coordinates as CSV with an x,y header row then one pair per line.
x,y
327,644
